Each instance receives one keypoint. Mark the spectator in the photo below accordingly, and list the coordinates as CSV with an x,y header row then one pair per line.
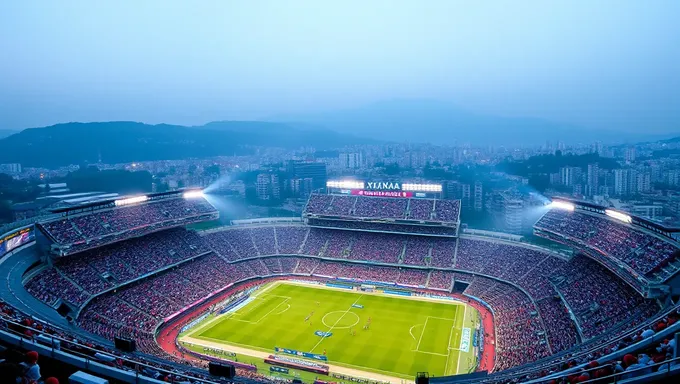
x,y
31,369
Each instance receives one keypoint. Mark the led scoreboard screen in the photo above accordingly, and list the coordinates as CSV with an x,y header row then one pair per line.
x,y
16,239
384,189
362,192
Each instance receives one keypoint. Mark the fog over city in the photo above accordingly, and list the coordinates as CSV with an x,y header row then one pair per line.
x,y
584,65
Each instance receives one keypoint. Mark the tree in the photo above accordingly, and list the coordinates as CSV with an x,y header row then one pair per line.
x,y
118,181
212,170
6,211
392,169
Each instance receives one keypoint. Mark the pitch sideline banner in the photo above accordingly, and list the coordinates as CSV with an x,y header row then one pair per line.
x,y
298,353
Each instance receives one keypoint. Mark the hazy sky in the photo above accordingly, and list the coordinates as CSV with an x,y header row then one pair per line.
x,y
603,64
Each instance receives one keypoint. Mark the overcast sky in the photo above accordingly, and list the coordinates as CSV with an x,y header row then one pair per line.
x,y
601,64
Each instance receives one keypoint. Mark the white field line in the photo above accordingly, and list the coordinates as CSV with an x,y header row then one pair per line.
x,y
458,363
254,303
210,323
422,333
448,356
413,298
287,308
272,310
231,314
265,315
248,350
410,331
431,353
268,287
336,322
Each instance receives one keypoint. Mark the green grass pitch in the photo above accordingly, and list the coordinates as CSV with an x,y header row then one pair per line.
x,y
405,336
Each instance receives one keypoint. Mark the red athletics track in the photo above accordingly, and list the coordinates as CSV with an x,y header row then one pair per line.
x,y
168,333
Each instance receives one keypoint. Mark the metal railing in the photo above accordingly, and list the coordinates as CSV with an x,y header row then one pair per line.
x,y
659,370
97,360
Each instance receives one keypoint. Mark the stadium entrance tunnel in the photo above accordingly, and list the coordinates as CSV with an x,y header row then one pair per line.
x,y
340,320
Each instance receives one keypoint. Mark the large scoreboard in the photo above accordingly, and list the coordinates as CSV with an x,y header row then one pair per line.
x,y
395,189
15,239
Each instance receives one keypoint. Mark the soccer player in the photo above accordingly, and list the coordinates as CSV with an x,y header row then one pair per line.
x,y
324,352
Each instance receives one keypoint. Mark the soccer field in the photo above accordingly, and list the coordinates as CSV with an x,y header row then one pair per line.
x,y
404,336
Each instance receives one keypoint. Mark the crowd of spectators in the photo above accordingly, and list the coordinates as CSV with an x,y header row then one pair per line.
x,y
378,247
417,277
318,203
562,333
599,300
289,239
383,207
520,334
645,253
597,297
442,254
420,209
50,286
240,243
75,278
440,280
417,251
100,227
612,264
588,361
341,205
447,210
528,268
405,228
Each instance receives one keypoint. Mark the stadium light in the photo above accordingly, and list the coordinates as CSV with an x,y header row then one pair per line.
x,y
618,216
193,194
557,204
345,184
421,187
131,200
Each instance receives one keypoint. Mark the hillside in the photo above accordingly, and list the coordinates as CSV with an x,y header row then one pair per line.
x,y
6,132
440,122
75,143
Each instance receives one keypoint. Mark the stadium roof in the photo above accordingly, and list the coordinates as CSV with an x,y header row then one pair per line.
x,y
641,221
106,202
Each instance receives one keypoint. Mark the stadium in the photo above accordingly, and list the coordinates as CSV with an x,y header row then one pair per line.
x,y
376,282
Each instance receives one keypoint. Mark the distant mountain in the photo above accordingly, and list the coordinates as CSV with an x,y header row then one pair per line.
x,y
6,132
440,122
672,140
76,143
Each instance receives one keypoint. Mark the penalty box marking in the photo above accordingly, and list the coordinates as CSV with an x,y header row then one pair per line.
x,y
285,301
448,349
461,336
258,295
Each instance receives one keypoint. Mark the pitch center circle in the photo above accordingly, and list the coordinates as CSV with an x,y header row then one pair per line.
x,y
340,319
